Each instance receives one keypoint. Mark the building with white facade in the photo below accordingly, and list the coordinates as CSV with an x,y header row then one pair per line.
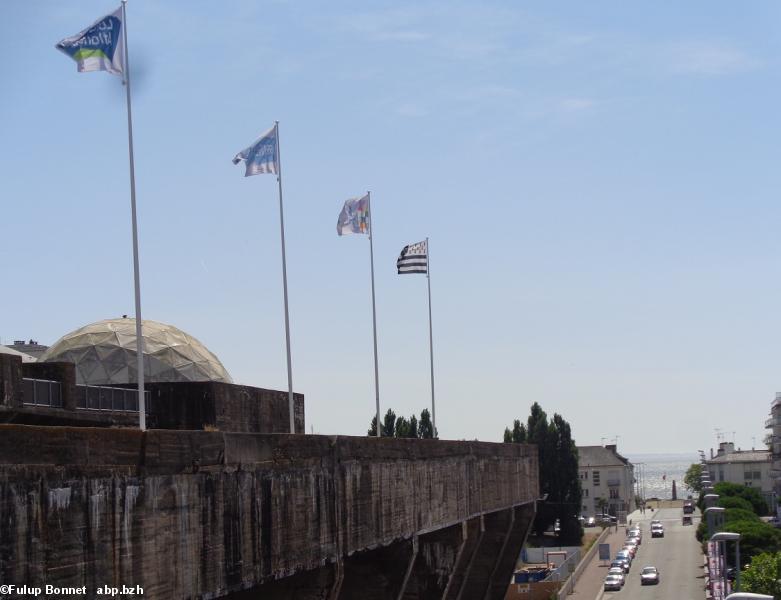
x,y
607,480
744,467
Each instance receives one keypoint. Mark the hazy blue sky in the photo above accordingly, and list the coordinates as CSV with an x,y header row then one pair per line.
x,y
600,183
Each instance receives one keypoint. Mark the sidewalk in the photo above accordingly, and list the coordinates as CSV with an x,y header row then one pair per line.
x,y
590,583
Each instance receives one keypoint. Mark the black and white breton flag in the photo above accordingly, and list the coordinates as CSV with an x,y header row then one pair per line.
x,y
413,259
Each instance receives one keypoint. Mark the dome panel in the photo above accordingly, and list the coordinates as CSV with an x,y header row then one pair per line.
x,y
105,354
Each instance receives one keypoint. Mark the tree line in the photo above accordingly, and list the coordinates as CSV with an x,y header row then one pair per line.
x,y
401,427
558,468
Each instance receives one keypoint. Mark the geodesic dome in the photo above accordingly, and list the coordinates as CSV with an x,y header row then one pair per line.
x,y
105,353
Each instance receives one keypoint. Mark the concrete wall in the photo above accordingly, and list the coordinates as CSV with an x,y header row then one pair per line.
x,y
203,514
197,405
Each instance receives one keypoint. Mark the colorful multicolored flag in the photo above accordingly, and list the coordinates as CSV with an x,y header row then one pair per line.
x,y
413,259
100,47
354,217
261,156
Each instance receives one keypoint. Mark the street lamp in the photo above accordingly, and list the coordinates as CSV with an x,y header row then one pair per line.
x,y
726,536
710,514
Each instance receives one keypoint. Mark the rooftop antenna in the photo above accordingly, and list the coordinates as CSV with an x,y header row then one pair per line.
x,y
719,435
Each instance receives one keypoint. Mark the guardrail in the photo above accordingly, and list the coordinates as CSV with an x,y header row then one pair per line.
x,y
98,397
42,392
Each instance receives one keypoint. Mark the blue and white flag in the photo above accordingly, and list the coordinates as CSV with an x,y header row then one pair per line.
x,y
100,47
261,156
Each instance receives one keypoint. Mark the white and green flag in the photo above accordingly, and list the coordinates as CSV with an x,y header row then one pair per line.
x,y
99,47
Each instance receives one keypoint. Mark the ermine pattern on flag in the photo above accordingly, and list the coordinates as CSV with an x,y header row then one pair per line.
x,y
413,259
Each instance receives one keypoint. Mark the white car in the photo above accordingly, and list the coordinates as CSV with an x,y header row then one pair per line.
x,y
649,576
618,572
612,582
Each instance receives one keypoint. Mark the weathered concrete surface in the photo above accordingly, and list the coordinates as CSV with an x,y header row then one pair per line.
x,y
202,514
188,405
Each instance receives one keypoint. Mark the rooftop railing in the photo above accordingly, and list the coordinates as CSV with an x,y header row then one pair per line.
x,y
42,392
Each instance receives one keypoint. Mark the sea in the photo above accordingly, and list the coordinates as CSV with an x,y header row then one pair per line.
x,y
656,473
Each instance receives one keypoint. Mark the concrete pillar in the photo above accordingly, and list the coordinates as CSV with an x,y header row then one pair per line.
x,y
471,531
433,564
376,574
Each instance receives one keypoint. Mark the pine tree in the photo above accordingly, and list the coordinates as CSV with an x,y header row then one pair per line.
x,y
508,435
373,427
519,432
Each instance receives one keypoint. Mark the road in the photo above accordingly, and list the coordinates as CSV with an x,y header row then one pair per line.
x,y
677,556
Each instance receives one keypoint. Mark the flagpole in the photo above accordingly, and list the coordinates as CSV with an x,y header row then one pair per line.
x,y
430,338
136,269
374,315
284,287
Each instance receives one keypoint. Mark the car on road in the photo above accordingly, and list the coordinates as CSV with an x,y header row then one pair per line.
x,y
649,576
631,547
687,520
619,572
621,564
612,583
625,554
591,522
657,531
655,522
688,507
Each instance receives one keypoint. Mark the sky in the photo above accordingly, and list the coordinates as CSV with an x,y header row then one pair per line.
x,y
599,183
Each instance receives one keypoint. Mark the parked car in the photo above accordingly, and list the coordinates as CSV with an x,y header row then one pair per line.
x,y
612,582
619,572
622,564
649,576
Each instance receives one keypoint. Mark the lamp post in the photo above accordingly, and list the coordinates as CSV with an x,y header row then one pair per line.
x,y
710,517
727,536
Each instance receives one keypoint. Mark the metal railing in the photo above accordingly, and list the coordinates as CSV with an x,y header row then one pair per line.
x,y
42,392
98,397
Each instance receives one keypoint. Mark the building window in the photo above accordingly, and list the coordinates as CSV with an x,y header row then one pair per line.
x,y
613,494
596,478
757,475
584,475
585,493
721,474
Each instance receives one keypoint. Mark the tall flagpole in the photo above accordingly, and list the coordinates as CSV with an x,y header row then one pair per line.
x,y
374,316
284,287
136,270
430,337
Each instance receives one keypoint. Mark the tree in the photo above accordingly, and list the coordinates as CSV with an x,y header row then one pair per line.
x,y
398,427
389,424
763,576
413,427
508,435
756,537
426,428
519,432
693,478
402,428
558,472
758,504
